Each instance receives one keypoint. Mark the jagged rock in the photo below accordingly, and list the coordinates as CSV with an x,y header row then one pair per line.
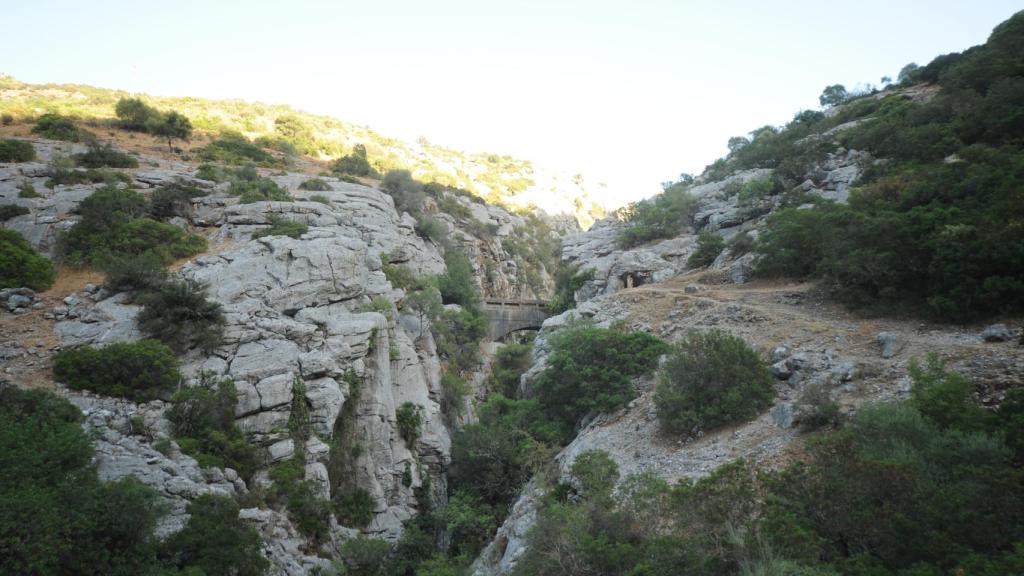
x,y
110,320
326,399
890,344
997,333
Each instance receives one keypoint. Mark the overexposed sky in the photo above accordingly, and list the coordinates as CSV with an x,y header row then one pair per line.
x,y
630,93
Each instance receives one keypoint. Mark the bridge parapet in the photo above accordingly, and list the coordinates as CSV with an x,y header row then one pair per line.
x,y
507,316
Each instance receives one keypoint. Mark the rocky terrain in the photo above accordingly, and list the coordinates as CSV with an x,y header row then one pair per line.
x,y
296,309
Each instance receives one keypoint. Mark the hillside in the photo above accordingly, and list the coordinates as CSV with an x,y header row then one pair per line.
x,y
240,357
498,178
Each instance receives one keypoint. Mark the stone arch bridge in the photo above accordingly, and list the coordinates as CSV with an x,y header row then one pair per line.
x,y
508,316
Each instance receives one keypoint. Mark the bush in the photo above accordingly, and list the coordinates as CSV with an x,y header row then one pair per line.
x,y
104,156
16,151
254,188
709,246
454,390
178,314
431,229
816,409
112,227
354,508
213,173
568,279
591,370
664,216
458,284
57,127
321,199
216,541
233,148
138,273
135,114
140,371
406,191
711,379
6,119
315,185
8,211
509,364
173,200
281,227
27,190
596,473
203,421
21,265
409,418
355,163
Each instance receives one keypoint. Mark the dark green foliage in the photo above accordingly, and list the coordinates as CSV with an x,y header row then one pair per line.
x,y
309,512
458,334
458,284
139,371
8,211
203,420
21,265
494,457
833,95
454,390
56,517
740,244
945,397
281,227
354,164
509,363
178,314
407,192
431,229
215,541
596,474
250,187
816,409
711,379
172,126
315,185
354,508
568,279
591,370
104,156
709,246
213,172
134,114
663,216
409,418
27,190
138,273
112,226
233,148
174,200
16,151
57,127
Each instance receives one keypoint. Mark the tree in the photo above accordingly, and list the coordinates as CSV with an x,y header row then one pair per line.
x,y
833,95
173,127
737,142
907,73
136,114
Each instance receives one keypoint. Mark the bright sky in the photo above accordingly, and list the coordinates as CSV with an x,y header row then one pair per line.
x,y
629,92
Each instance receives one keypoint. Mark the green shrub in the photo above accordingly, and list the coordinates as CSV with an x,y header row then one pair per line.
x,y
233,148
354,508
406,191
57,127
816,409
454,390
104,156
16,151
591,370
711,379
112,226
27,190
740,244
21,265
458,334
8,211
257,189
141,272
139,371
281,227
664,216
178,314
709,246
315,185
945,397
213,173
321,199
363,556
172,126
134,114
509,364
457,284
431,229
596,473
173,200
355,163
203,421
216,541
409,417
568,279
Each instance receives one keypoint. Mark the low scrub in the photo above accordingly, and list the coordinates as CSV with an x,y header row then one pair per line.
x,y
113,225
8,211
281,227
203,421
409,417
173,200
315,185
664,216
104,156
57,127
591,370
178,314
251,187
711,379
21,265
140,371
16,151
709,246
354,164
237,149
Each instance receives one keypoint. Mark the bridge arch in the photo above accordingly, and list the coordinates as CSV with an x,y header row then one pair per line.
x,y
507,316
